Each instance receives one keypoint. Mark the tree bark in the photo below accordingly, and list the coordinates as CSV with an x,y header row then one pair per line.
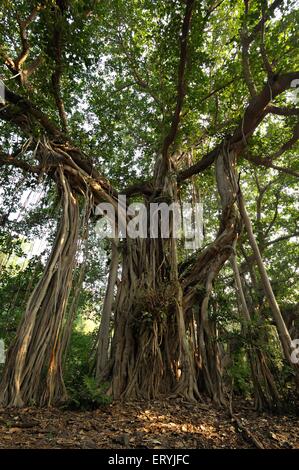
x,y
278,318
33,370
266,395
104,331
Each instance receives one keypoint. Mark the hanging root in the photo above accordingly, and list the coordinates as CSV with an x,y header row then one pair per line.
x,y
265,391
33,370
150,328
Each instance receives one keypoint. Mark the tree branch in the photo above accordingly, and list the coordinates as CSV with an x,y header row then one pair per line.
x,y
287,145
6,159
266,62
56,76
206,161
181,87
283,111
273,220
23,55
268,164
265,17
256,110
29,108
246,63
282,238
138,80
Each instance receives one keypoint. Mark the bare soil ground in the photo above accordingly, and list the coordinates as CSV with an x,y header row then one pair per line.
x,y
154,425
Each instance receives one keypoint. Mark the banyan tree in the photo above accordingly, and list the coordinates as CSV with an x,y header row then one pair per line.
x,y
160,102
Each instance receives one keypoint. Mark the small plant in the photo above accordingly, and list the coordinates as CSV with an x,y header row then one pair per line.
x,y
89,395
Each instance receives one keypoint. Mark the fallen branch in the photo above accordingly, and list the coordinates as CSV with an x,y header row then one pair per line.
x,y
240,426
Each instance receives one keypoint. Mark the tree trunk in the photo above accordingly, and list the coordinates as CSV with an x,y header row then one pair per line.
x,y
104,331
151,355
153,325
282,330
266,395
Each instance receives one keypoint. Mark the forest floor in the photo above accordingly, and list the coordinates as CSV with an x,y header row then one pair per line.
x,y
154,425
